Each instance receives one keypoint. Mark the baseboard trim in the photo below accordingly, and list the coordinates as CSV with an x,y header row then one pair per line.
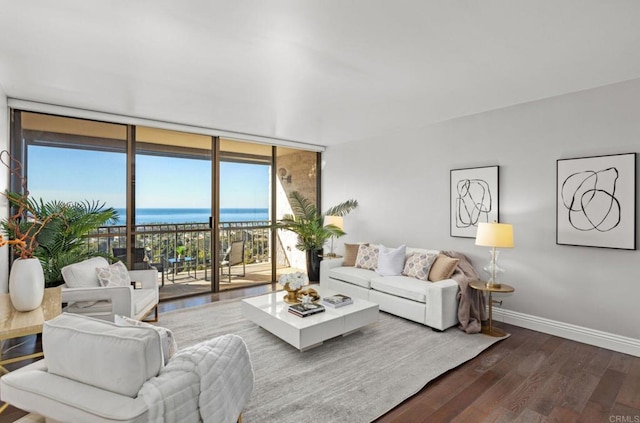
x,y
598,338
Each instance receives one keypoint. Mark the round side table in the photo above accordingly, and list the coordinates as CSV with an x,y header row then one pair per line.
x,y
503,288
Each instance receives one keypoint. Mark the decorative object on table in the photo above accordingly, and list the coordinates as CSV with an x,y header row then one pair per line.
x,y
305,300
494,235
26,284
308,224
338,300
474,199
596,200
302,310
338,222
309,292
292,282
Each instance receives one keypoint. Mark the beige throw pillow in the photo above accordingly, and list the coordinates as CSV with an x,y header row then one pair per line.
x,y
442,268
350,254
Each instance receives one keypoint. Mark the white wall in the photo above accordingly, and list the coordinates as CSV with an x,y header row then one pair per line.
x,y
402,184
4,184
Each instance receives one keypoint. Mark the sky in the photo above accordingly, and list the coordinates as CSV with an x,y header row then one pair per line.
x,y
161,182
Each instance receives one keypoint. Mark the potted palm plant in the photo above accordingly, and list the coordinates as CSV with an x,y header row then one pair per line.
x,y
308,223
45,236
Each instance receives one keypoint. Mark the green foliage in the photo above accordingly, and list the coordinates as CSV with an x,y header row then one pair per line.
x,y
61,240
308,223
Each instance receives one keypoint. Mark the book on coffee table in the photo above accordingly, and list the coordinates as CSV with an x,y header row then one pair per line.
x,y
338,300
304,311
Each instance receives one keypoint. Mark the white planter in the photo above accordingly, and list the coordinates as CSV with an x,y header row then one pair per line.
x,y
26,284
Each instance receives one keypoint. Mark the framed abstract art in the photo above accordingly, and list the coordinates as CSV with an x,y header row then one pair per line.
x,y
474,199
596,201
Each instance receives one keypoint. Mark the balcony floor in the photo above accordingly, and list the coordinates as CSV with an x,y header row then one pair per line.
x,y
189,282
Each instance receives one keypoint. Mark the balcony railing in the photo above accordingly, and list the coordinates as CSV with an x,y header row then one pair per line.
x,y
167,241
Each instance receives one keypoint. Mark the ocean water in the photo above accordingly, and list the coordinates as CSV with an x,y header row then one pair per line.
x,y
187,215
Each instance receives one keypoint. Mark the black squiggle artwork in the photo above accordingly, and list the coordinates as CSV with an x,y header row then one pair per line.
x,y
473,202
590,200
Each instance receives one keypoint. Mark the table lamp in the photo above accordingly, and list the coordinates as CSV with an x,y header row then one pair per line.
x,y
335,221
494,235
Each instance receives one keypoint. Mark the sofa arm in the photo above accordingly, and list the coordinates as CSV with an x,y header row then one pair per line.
x,y
121,297
148,277
325,266
442,304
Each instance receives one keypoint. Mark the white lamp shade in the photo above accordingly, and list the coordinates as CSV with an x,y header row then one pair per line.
x,y
498,235
335,221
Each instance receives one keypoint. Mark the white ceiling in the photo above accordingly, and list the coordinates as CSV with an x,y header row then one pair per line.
x,y
314,71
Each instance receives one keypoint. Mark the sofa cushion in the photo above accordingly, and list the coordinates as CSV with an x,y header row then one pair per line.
x,y
390,260
350,254
142,299
169,345
114,275
442,268
97,307
367,257
354,275
83,274
418,265
100,353
401,286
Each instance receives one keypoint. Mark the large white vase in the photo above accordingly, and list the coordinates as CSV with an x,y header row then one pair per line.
x,y
26,284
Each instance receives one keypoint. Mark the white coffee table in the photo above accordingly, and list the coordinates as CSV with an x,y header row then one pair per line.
x,y
269,311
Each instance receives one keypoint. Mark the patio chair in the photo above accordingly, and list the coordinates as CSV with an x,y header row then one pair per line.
x,y
140,260
233,256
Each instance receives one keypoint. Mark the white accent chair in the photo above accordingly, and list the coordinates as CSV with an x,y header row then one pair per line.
x,y
96,371
84,295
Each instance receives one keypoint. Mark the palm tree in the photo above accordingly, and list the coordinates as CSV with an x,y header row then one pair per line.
x,y
308,224
63,239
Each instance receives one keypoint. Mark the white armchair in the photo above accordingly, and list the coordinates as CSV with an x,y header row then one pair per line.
x,y
83,293
96,371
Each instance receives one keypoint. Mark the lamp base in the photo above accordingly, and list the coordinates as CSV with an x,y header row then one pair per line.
x,y
493,285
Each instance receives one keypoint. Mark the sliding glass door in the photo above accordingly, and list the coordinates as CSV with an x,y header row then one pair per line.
x,y
199,208
244,222
173,203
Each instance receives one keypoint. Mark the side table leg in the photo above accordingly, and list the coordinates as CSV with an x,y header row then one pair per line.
x,y
490,313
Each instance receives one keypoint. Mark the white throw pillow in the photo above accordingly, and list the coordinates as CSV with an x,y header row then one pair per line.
x,y
169,345
83,274
114,275
391,260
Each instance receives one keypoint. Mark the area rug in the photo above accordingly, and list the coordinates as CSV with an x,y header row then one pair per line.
x,y
355,378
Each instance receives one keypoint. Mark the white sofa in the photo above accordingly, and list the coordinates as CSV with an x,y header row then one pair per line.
x,y
96,371
434,304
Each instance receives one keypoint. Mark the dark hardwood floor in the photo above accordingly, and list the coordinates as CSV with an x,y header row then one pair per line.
x,y
528,377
